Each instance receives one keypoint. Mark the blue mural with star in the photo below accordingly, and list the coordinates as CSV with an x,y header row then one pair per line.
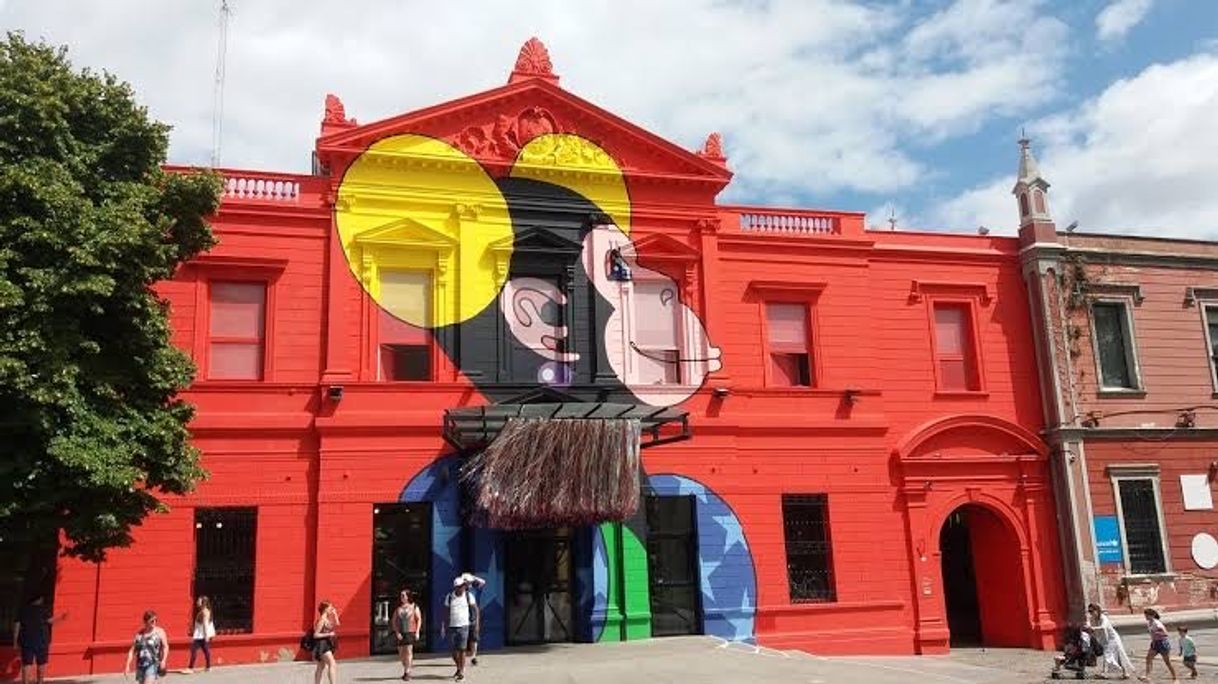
x,y
728,577
728,580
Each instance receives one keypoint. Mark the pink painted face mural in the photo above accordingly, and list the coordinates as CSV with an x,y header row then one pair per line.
x,y
656,345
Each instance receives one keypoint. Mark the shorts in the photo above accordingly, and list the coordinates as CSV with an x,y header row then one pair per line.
x,y
407,640
473,636
146,673
322,647
1190,660
1160,646
32,654
459,638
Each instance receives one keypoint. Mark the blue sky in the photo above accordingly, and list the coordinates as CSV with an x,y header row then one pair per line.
x,y
837,104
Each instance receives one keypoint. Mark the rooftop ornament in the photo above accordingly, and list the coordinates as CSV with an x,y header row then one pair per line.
x,y
533,62
335,117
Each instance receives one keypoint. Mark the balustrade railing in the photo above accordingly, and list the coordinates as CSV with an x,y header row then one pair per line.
x,y
789,223
266,189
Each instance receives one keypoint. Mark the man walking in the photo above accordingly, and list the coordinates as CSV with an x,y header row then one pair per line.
x,y
462,615
32,637
475,633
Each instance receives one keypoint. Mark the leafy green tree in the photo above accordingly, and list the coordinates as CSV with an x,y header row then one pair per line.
x,y
90,429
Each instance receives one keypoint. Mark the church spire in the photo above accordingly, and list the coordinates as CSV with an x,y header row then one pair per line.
x,y
1030,192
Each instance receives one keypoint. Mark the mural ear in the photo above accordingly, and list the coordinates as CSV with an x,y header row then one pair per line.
x,y
532,308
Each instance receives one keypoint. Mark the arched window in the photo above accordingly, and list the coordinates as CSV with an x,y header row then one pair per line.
x,y
1023,205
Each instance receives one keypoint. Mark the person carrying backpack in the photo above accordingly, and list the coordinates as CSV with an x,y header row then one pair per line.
x,y
461,616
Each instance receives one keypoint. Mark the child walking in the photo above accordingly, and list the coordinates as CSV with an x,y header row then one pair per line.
x,y
1188,651
1159,644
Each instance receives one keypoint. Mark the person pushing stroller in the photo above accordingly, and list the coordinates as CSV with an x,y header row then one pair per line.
x,y
1079,652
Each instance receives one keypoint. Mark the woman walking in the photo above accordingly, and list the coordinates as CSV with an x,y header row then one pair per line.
x,y
1114,649
407,622
1160,644
202,632
149,650
325,640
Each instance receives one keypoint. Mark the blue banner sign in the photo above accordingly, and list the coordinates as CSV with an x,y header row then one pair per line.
x,y
1108,539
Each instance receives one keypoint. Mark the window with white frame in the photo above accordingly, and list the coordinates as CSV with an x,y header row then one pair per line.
x,y
1211,325
1140,513
657,332
1114,345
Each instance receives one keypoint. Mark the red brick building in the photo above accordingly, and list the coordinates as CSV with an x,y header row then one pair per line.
x,y
839,428
1127,327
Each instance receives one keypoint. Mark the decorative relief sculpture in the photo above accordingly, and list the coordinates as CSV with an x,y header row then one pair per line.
x,y
508,136
503,138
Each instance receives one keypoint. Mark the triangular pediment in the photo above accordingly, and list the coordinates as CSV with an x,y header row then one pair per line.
x,y
406,233
536,240
664,248
493,125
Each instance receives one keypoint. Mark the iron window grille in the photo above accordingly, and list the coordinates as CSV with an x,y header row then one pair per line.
x,y
225,546
805,521
1143,538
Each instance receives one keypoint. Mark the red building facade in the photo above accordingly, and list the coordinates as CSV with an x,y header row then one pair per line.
x,y
839,428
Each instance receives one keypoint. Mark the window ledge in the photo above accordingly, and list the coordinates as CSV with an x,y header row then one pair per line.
x,y
1120,392
961,394
1151,577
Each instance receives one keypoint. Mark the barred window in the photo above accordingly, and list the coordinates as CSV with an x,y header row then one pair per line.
x,y
805,521
225,544
1140,518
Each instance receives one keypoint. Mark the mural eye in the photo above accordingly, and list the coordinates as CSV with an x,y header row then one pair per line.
x,y
667,295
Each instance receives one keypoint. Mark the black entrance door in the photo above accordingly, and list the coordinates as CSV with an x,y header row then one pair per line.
x,y
401,559
538,590
672,556
959,581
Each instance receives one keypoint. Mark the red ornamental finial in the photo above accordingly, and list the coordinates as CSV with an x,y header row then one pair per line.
x,y
713,147
335,112
533,62
335,116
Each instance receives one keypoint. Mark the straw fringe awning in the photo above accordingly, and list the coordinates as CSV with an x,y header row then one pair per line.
x,y
542,472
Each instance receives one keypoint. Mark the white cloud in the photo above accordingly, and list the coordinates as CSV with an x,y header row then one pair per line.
x,y
1116,20
812,96
1140,158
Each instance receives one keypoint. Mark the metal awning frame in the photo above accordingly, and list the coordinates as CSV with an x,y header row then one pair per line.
x,y
474,427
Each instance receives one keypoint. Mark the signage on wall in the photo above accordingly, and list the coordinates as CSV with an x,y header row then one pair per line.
x,y
1196,491
1108,539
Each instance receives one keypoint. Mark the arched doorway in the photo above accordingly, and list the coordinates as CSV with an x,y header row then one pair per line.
x,y
983,588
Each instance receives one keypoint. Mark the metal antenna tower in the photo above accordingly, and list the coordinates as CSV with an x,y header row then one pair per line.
x,y
217,116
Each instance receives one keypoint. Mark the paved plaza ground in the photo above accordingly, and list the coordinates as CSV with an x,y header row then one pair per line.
x,y
689,660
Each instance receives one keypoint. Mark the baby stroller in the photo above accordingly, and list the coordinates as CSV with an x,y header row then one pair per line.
x,y
1079,653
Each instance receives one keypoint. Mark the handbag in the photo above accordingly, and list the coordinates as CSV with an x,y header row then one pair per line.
x,y
307,642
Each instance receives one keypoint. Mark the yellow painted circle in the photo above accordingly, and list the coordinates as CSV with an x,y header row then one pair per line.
x,y
416,215
600,179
